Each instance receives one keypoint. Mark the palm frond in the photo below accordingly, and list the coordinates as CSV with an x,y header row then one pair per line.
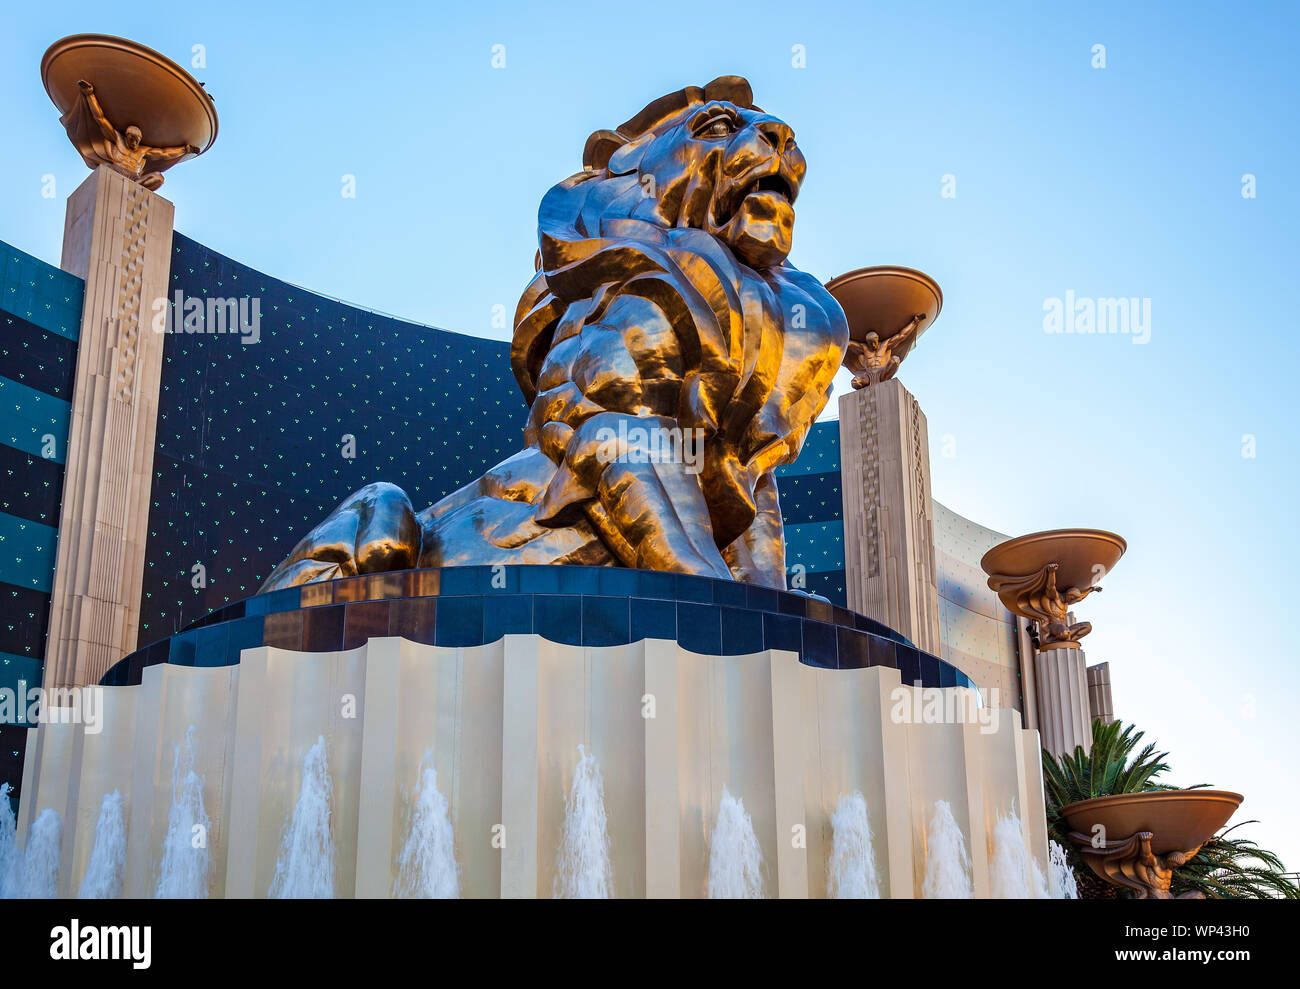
x,y
1224,868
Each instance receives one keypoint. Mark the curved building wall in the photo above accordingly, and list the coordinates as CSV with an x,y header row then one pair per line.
x,y
812,509
978,633
40,322
252,436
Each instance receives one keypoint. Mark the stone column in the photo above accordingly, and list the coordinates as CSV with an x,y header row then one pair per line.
x,y
1025,660
1061,682
1099,702
889,562
118,237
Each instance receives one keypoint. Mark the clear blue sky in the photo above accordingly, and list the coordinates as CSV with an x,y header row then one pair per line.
x,y
1122,181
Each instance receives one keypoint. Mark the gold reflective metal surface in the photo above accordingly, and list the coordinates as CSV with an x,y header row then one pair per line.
x,y
1042,575
126,106
670,356
888,307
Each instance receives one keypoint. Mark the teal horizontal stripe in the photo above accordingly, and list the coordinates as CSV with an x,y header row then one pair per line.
x,y
819,546
14,668
27,552
40,293
27,416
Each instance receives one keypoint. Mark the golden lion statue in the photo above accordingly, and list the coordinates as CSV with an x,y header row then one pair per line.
x,y
671,360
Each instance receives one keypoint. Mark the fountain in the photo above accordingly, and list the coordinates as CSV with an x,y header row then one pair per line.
x,y
735,860
852,867
1013,875
584,871
427,867
38,873
183,872
106,870
947,863
1060,877
305,868
1040,888
9,853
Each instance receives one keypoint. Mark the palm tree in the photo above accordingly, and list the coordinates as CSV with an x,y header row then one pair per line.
x,y
1224,868
1235,869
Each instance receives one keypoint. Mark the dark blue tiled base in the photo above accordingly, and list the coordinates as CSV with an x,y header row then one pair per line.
x,y
583,606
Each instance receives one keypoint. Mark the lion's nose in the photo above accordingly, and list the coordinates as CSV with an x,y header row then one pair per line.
x,y
777,133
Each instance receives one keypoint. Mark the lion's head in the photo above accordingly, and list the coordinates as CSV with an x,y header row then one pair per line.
x,y
703,172
707,159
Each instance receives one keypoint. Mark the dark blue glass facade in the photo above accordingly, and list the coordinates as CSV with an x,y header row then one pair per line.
x,y
812,509
40,323
250,442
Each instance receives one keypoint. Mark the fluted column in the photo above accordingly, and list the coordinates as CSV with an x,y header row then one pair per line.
x,y
1061,682
1099,700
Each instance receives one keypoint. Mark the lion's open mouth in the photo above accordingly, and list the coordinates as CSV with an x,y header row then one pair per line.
x,y
773,183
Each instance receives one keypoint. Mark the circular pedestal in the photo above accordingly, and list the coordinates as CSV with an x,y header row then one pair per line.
x,y
586,606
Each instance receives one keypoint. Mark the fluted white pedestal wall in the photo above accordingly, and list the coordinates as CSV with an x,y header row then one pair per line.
x,y
501,723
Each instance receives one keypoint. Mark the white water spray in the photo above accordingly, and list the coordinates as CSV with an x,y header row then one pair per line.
x,y
427,865
735,860
583,869
10,856
1061,884
38,875
305,868
852,867
186,859
106,870
1010,866
947,863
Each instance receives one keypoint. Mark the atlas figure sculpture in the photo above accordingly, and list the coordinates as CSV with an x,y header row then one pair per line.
x,y
123,151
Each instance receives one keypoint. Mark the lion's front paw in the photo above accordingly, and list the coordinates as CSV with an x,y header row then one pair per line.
x,y
373,531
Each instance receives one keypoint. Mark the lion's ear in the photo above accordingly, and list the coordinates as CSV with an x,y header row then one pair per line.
x,y
627,159
731,89
600,147
610,149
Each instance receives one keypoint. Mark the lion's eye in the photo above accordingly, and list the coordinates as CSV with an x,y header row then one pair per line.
x,y
719,125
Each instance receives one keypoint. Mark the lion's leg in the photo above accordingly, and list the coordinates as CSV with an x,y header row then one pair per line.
x,y
373,530
624,473
661,518
758,555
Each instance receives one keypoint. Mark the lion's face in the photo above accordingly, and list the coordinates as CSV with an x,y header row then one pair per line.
x,y
723,169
